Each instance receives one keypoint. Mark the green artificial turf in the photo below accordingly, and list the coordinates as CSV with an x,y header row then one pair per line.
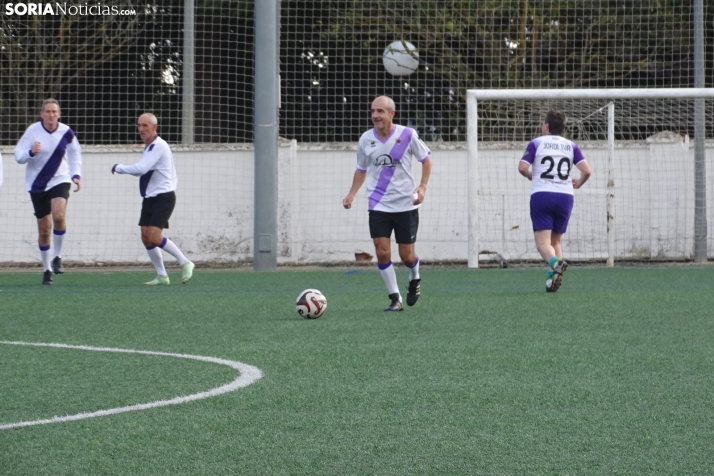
x,y
487,374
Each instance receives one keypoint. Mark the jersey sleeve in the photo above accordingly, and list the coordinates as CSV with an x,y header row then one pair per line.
x,y
577,155
418,148
362,157
147,162
74,157
22,151
530,153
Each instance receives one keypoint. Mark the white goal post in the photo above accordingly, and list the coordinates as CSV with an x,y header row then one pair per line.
x,y
477,189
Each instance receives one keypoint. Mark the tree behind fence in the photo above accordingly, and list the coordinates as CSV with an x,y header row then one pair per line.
x,y
105,70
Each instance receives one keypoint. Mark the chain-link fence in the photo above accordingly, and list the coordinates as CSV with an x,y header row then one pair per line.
x,y
107,68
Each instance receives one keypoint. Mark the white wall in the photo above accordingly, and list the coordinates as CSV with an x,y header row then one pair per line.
x,y
213,220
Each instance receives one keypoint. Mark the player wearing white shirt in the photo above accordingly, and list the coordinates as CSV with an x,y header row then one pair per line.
x,y
547,163
157,184
385,157
54,160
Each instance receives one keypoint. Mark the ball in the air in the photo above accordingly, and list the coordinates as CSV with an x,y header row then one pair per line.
x,y
311,304
400,58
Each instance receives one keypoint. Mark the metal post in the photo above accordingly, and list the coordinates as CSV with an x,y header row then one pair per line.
x,y
472,178
266,135
700,164
611,184
189,55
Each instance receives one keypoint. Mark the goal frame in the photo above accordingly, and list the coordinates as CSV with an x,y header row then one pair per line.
x,y
473,96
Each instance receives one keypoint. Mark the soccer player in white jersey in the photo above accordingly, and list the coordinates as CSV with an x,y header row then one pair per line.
x,y
384,159
157,184
547,163
54,160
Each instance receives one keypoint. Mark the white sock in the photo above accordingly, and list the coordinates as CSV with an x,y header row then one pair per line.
x,y
390,278
45,253
157,260
414,270
58,238
171,248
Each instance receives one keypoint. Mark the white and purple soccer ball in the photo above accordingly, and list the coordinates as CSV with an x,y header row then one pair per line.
x,y
311,304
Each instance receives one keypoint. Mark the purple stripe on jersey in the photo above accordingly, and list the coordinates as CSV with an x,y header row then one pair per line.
x,y
53,164
402,145
59,232
144,182
385,176
577,155
361,170
531,149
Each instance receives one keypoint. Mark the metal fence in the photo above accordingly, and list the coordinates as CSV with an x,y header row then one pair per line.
x,y
105,69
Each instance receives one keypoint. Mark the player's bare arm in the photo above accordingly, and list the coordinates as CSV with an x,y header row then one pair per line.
x,y
524,168
585,172
357,182
425,175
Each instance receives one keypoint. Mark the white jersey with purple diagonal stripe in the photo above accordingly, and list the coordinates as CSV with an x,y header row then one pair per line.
x,y
156,169
58,162
388,163
551,158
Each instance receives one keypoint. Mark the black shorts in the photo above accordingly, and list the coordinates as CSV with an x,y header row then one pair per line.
x,y
156,211
404,224
42,202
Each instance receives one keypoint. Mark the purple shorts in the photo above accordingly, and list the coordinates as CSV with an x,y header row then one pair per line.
x,y
551,211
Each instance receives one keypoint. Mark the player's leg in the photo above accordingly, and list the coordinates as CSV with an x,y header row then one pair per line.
x,y
59,229
563,208
405,233
44,228
544,246
151,238
380,229
41,205
556,242
542,217
164,207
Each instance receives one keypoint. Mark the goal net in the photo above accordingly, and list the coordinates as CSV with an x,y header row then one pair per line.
x,y
647,198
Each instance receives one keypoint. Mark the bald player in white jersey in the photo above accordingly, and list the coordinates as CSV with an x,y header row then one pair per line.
x,y
54,161
385,157
157,184
547,163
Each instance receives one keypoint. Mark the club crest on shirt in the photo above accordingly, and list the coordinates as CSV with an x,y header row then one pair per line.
x,y
399,141
384,160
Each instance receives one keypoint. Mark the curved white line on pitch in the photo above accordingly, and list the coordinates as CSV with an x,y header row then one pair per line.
x,y
248,375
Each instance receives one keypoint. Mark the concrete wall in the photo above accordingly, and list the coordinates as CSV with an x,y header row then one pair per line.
x,y
213,220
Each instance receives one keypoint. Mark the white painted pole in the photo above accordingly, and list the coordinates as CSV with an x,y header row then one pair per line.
x,y
472,177
657,93
611,185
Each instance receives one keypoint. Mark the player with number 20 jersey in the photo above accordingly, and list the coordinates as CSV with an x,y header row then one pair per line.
x,y
547,162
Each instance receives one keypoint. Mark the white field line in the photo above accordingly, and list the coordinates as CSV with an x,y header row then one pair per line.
x,y
248,375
